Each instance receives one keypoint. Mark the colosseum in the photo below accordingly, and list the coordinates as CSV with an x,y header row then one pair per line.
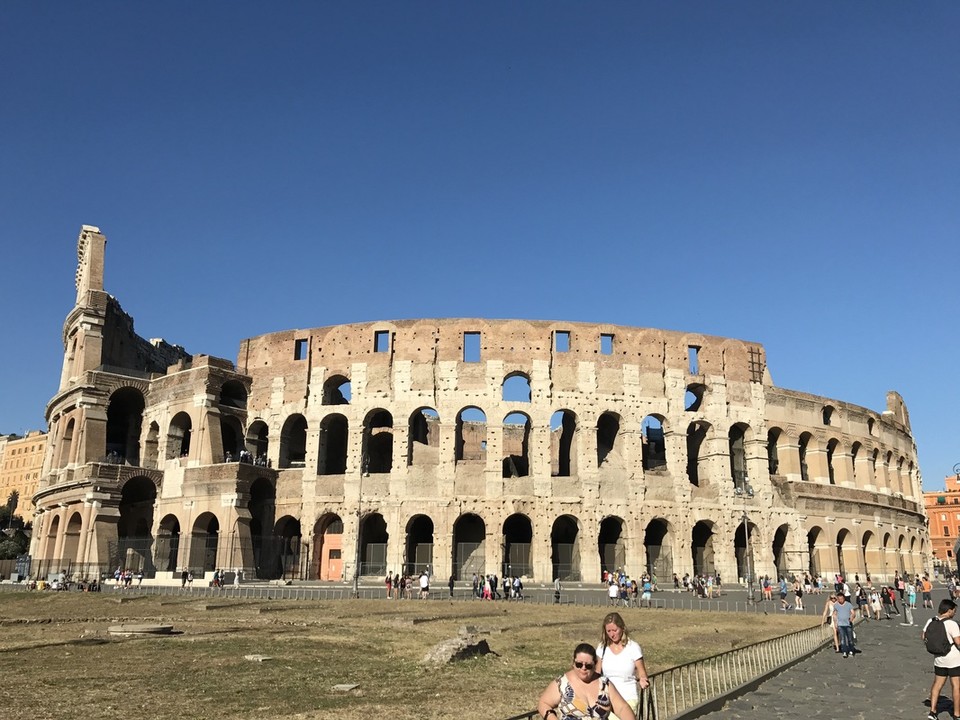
x,y
539,449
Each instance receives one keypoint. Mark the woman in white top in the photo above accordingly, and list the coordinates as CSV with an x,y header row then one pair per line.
x,y
620,659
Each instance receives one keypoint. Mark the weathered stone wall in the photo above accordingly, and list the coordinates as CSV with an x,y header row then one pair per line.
x,y
447,469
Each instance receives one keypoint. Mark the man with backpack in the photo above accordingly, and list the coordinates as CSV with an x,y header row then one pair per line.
x,y
941,635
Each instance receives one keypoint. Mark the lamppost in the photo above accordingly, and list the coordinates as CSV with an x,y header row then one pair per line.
x,y
364,471
746,491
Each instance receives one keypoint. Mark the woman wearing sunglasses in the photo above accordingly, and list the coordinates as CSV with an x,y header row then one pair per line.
x,y
581,692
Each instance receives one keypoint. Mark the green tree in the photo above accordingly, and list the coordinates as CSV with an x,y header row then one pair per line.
x,y
9,549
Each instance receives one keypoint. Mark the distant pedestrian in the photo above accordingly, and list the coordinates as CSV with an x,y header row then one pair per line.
x,y
450,584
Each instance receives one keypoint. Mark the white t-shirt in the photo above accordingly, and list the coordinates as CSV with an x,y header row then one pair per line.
x,y
613,591
621,668
952,658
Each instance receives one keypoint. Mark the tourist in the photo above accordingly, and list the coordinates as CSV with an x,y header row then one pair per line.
x,y
424,586
798,594
844,615
945,666
827,619
388,581
926,588
621,660
582,692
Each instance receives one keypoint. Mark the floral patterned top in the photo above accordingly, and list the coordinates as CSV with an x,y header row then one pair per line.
x,y
572,707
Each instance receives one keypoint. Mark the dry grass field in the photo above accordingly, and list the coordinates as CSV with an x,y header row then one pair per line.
x,y
57,659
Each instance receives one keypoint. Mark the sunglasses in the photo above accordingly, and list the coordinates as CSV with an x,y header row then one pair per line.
x,y
579,665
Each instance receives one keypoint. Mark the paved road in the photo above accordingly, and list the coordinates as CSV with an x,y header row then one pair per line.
x,y
889,678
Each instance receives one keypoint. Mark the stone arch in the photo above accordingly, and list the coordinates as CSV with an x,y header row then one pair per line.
x,y
231,435
658,548
471,438
654,443
66,444
701,544
563,443
744,549
832,445
901,560
610,544
802,449
373,545
71,539
516,445
870,553
817,551
293,442
167,553
423,438
328,547
378,442
736,440
336,390
565,548
151,450
134,541
693,397
781,564
696,435
262,507
828,414
204,543
179,435
775,436
469,546
608,434
258,441
287,546
52,532
124,418
517,546
334,445
846,561
418,549
233,394
516,388
855,451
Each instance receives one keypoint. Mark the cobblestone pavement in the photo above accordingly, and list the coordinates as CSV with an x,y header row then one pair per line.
x,y
890,678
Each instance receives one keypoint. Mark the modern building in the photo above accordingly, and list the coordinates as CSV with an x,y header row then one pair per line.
x,y
535,448
21,463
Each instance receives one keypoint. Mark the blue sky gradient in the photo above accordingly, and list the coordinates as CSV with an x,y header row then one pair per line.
x,y
787,173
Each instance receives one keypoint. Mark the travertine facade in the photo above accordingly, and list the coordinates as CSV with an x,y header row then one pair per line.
x,y
537,448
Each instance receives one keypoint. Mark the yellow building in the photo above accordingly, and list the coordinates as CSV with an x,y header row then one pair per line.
x,y
20,466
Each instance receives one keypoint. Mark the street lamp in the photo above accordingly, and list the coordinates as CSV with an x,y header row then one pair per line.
x,y
364,471
745,491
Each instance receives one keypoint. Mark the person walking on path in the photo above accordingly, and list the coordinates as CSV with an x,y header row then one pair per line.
x,y
926,588
621,659
843,616
827,617
945,666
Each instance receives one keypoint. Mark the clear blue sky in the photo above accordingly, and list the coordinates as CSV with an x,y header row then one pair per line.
x,y
781,172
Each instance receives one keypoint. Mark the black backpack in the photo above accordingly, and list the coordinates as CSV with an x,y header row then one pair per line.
x,y
935,638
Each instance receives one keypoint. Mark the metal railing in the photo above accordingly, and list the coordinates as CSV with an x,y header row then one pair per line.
x,y
680,689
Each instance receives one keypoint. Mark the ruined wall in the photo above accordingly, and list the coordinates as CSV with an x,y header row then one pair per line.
x,y
637,446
